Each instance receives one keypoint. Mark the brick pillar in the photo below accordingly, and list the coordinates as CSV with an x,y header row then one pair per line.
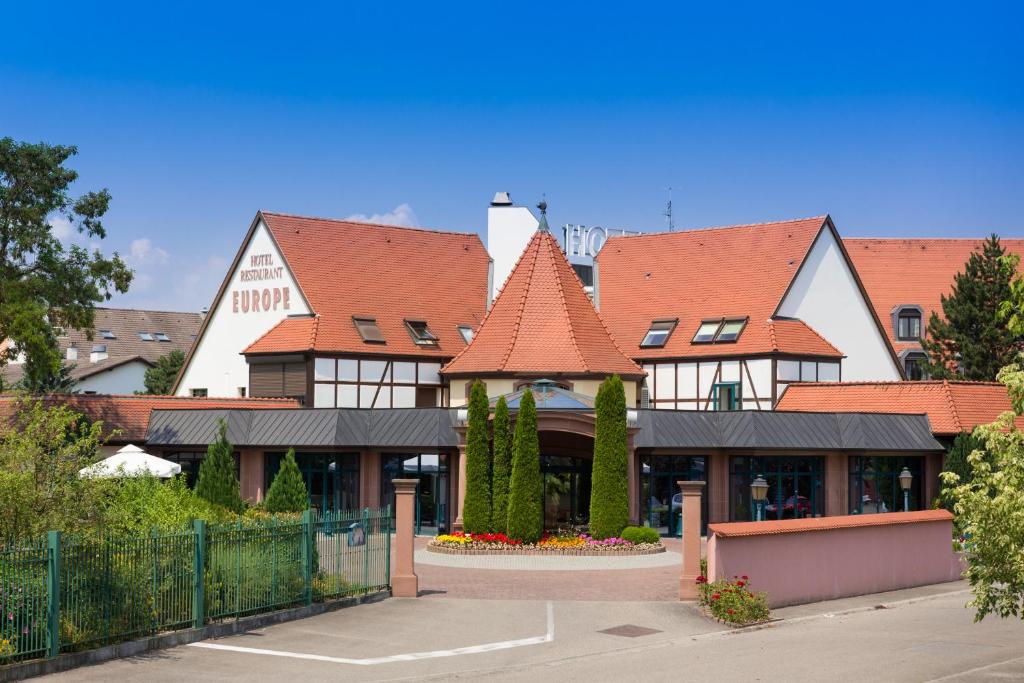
x,y
691,539
252,475
718,487
460,476
837,484
369,479
404,582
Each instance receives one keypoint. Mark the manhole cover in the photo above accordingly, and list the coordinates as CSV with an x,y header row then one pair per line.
x,y
629,631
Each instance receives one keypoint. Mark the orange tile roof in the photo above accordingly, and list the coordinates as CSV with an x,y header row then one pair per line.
x,y
952,407
737,271
130,413
795,336
543,322
913,271
347,269
792,526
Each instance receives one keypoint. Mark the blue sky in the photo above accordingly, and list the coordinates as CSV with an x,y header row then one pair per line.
x,y
898,119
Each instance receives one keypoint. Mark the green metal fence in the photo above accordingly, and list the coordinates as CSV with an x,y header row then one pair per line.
x,y
64,593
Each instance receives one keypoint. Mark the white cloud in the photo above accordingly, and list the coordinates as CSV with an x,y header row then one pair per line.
x,y
402,215
61,228
143,252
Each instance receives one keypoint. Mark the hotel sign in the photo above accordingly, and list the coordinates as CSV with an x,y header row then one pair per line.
x,y
585,241
261,271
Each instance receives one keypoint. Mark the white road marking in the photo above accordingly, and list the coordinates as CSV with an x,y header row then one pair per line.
x,y
412,656
979,669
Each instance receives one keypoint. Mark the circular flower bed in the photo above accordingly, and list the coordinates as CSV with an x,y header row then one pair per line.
x,y
555,544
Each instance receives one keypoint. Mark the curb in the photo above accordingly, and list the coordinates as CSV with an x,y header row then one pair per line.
x,y
72,660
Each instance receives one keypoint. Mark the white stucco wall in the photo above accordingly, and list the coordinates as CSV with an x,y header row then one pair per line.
x,y
217,364
826,297
124,379
509,229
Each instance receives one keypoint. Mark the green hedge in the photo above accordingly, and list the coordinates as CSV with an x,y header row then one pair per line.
x,y
641,534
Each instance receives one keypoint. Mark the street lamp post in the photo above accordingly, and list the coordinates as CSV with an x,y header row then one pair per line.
x,y
758,490
906,478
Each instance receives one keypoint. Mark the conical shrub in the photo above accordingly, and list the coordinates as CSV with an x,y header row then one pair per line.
x,y
525,510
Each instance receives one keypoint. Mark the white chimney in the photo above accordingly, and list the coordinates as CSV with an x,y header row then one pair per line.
x,y
509,229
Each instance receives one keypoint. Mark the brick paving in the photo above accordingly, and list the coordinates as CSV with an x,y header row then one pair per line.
x,y
640,585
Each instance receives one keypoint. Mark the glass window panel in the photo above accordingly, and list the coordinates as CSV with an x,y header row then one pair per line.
x,y
403,373
383,398
809,371
368,330
323,395
323,370
366,395
706,331
789,370
403,397
466,332
665,381
430,373
828,372
348,396
655,338
730,330
348,370
374,371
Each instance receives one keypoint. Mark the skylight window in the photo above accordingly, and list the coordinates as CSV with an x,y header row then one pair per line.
x,y
659,333
162,337
99,348
730,330
421,334
107,334
719,331
145,336
706,332
368,330
467,333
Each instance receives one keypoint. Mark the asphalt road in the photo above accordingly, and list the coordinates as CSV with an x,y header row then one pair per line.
x,y
928,637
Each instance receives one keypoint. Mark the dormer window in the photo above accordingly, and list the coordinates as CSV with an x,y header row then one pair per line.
x,y
467,333
99,352
368,330
421,334
722,330
908,325
658,333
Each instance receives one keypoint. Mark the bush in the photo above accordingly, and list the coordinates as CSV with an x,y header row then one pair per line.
x,y
140,504
641,534
287,493
732,601
525,511
609,497
956,462
502,467
217,482
476,509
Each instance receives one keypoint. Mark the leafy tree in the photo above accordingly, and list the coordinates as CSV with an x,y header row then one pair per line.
x,y
160,378
138,504
988,507
502,469
42,281
956,460
476,510
972,341
217,481
40,456
609,490
525,511
287,493
40,378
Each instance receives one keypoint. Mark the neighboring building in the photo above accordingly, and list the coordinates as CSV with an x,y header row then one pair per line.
x,y
125,343
726,318
952,407
340,314
906,279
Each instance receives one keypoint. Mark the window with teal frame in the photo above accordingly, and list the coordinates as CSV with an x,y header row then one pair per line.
x,y
726,396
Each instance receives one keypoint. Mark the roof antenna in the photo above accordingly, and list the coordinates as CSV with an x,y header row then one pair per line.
x,y
668,212
542,226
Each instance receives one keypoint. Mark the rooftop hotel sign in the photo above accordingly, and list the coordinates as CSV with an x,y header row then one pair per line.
x,y
585,241
261,271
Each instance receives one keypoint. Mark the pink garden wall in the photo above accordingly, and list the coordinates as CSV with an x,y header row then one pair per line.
x,y
807,560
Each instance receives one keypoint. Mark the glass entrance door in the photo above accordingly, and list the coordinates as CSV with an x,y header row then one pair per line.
x,y
431,469
566,490
661,501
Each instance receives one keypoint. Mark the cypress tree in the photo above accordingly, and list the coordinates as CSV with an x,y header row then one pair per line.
x,y
476,510
502,467
525,511
609,490
287,493
972,341
217,481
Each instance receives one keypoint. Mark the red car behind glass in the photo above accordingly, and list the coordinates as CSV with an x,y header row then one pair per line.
x,y
800,504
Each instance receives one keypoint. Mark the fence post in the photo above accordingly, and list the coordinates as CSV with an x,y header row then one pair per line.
x,y
199,575
387,542
154,544
53,593
366,550
307,554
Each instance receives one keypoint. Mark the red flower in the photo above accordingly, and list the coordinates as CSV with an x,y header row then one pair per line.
x,y
702,579
730,611
716,596
745,577
741,584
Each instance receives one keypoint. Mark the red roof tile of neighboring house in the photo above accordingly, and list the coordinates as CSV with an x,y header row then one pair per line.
x,y
130,414
796,336
543,323
738,271
952,407
348,269
896,272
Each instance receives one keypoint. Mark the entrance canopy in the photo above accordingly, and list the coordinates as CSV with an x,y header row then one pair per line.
x,y
549,396
131,461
